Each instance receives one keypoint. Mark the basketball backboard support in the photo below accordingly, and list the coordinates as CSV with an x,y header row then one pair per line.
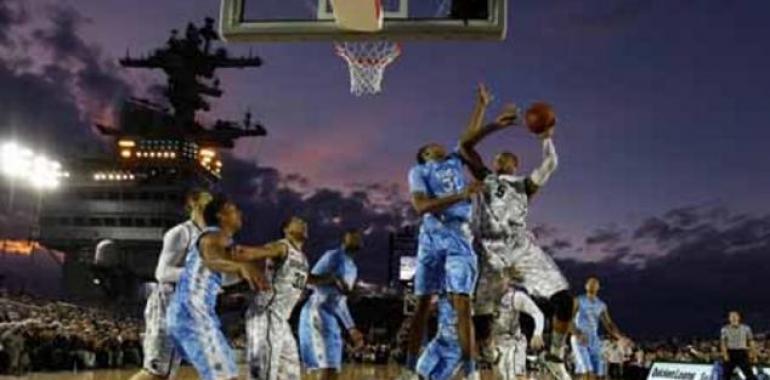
x,y
313,20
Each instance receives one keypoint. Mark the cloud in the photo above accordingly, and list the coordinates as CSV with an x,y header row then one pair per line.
x,y
54,91
679,272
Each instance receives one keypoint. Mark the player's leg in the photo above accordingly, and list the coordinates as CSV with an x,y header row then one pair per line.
x,y
460,280
206,348
160,358
258,343
428,281
597,361
320,341
563,305
440,360
492,285
542,278
288,360
582,359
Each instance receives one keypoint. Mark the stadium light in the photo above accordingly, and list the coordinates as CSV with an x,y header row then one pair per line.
x,y
22,164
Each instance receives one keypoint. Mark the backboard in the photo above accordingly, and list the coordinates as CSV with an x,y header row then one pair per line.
x,y
404,20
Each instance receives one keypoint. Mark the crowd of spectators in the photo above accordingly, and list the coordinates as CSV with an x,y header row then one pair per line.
x,y
42,335
626,362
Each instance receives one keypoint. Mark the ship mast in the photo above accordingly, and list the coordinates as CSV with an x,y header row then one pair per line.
x,y
190,66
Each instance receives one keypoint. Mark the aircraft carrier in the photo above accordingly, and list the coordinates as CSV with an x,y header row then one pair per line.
x,y
110,216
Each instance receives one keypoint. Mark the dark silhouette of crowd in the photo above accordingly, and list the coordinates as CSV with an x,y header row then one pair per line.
x,y
43,335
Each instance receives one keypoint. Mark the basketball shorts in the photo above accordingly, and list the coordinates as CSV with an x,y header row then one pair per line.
x,y
271,348
198,335
446,261
588,357
320,338
160,356
540,275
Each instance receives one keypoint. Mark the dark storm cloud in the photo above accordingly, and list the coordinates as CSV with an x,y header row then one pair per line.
x,y
59,100
692,278
604,236
9,16
268,198
94,75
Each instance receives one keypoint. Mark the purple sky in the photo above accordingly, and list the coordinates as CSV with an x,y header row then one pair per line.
x,y
660,103
662,108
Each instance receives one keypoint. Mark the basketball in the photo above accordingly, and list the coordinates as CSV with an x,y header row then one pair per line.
x,y
540,117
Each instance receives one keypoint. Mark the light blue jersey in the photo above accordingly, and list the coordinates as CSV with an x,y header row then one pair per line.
x,y
193,322
445,258
438,179
589,315
588,355
320,336
442,356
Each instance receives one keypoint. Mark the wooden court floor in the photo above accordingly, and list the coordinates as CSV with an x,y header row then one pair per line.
x,y
349,372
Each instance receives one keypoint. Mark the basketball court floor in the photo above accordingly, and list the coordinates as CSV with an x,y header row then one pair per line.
x,y
350,372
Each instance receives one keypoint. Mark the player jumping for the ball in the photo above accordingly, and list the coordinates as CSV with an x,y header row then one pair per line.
x,y
586,343
501,213
161,361
446,262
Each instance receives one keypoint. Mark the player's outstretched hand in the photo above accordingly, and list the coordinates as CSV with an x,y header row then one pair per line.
x,y
537,342
509,116
357,338
485,97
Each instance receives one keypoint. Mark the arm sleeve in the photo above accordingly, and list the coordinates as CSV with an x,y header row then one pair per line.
x,y
175,243
417,182
541,174
523,303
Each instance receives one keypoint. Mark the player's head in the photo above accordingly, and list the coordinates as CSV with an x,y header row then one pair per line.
x,y
734,317
352,240
506,163
195,200
592,286
223,213
295,228
431,152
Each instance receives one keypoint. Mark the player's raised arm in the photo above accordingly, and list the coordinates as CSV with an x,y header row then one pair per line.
x,y
550,162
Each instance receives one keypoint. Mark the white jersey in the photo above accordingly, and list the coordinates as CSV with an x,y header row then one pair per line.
x,y
501,209
287,278
176,243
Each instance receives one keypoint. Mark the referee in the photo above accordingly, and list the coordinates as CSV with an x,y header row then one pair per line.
x,y
737,348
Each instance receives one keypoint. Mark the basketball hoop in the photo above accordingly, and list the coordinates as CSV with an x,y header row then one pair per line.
x,y
367,61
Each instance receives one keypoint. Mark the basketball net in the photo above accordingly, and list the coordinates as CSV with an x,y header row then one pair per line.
x,y
367,61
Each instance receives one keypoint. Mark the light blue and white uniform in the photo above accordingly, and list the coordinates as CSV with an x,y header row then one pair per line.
x,y
445,258
320,335
442,357
192,320
588,357
272,349
160,356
